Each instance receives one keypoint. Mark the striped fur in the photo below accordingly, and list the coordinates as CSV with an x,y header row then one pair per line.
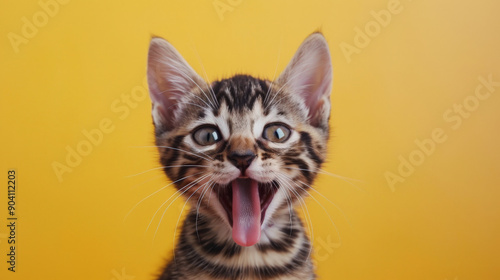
x,y
211,254
241,107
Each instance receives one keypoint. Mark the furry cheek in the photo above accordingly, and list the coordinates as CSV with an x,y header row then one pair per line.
x,y
224,173
263,171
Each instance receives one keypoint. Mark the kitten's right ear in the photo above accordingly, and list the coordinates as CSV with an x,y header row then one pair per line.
x,y
169,78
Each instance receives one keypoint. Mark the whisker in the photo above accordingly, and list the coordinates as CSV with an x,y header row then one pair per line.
x,y
179,217
200,199
163,214
181,150
322,195
204,93
147,181
183,190
290,206
207,157
274,76
206,76
321,171
289,80
189,103
157,191
307,215
163,167
305,209
210,195
321,205
180,96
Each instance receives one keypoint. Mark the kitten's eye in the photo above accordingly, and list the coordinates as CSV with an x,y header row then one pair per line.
x,y
207,135
278,133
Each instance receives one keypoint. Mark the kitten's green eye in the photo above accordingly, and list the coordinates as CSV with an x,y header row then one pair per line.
x,y
207,135
278,133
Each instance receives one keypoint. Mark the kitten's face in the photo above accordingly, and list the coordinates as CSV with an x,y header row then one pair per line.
x,y
242,149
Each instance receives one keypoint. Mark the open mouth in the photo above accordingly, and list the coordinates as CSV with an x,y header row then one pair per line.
x,y
246,203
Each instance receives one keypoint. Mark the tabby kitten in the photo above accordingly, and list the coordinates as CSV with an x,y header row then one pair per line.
x,y
244,152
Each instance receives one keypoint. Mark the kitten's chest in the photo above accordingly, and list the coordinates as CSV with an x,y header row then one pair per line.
x,y
292,277
301,277
203,253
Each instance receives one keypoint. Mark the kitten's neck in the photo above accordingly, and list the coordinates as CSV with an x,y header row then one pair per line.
x,y
206,249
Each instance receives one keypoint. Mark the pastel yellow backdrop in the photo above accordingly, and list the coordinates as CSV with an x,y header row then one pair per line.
x,y
420,209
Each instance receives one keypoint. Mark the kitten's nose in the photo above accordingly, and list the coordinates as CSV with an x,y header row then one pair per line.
x,y
242,160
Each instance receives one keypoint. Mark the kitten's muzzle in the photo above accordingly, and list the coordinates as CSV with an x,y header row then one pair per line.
x,y
242,160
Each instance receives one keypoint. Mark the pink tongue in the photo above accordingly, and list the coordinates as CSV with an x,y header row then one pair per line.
x,y
246,212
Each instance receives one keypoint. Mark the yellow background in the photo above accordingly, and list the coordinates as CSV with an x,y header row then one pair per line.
x,y
441,222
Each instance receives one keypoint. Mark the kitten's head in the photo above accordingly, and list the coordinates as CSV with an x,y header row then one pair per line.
x,y
242,149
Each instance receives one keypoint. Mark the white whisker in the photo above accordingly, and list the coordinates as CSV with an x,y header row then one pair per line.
x,y
274,76
305,209
163,214
206,76
292,78
322,195
183,190
179,217
163,167
200,199
181,150
204,93
147,181
321,205
321,171
157,191
189,103
289,203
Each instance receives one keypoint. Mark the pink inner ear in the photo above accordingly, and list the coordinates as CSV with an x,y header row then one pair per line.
x,y
317,83
169,78
311,92
309,74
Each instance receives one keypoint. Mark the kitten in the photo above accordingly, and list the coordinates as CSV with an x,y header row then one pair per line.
x,y
244,152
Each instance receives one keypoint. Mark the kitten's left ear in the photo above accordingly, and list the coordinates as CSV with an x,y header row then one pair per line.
x,y
170,78
309,74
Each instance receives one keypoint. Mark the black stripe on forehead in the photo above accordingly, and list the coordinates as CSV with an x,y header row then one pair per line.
x,y
239,92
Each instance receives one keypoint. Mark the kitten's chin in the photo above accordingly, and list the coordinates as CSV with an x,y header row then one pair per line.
x,y
245,202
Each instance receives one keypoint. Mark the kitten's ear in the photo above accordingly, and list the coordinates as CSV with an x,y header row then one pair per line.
x,y
169,78
309,74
